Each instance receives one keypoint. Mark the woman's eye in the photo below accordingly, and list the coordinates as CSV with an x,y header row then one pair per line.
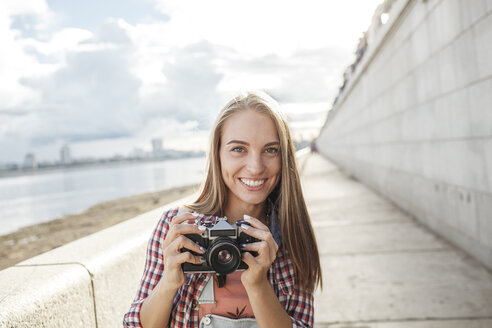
x,y
238,149
272,150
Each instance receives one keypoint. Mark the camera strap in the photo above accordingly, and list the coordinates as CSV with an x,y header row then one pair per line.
x,y
221,280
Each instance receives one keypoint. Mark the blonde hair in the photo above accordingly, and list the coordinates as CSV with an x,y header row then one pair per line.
x,y
295,225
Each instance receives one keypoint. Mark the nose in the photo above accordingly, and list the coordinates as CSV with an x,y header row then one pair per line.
x,y
255,165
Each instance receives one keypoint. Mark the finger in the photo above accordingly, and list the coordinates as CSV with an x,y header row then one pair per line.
x,y
264,236
261,247
184,242
189,258
255,232
258,247
249,259
255,222
183,229
182,218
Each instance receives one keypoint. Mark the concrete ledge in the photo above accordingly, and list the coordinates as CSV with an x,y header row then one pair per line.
x,y
90,282
46,296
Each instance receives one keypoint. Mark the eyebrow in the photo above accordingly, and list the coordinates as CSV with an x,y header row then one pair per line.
x,y
247,144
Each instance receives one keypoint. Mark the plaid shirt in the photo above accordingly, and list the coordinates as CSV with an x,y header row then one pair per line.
x,y
297,303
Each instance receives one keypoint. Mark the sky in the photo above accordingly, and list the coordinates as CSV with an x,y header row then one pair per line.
x,y
105,77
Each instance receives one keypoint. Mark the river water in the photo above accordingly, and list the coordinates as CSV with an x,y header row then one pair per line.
x,y
39,197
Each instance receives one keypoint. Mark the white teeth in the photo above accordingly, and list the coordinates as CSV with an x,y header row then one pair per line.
x,y
253,183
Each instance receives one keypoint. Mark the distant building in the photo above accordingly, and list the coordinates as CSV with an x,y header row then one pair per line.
x,y
139,153
157,149
65,155
30,161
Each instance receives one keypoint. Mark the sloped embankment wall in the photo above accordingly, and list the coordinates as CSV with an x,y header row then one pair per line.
x,y
415,118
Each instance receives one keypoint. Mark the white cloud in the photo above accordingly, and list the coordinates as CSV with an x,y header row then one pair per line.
x,y
23,7
67,39
19,58
13,62
93,95
259,27
126,82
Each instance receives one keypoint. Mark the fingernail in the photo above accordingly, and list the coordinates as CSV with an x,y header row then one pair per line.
x,y
202,228
195,214
247,217
203,249
202,259
242,245
244,226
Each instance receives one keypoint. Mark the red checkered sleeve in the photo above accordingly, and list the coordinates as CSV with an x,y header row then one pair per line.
x,y
301,310
154,267
297,303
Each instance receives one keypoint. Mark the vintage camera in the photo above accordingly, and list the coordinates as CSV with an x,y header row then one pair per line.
x,y
222,242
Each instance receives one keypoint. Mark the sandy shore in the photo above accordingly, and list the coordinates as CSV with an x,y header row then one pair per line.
x,y
36,239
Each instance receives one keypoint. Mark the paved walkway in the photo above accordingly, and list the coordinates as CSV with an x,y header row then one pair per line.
x,y
383,269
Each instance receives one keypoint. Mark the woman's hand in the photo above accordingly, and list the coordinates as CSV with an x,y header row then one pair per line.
x,y
266,247
156,307
173,276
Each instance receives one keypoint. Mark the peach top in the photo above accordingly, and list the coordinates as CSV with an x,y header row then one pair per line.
x,y
230,301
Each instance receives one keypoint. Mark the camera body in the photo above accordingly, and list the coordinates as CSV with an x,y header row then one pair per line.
x,y
222,243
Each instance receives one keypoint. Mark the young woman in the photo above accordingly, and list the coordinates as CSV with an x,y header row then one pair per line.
x,y
252,176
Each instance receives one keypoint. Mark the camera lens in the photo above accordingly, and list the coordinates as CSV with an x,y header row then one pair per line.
x,y
223,255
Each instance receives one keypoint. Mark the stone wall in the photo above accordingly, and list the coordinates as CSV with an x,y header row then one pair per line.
x,y
414,120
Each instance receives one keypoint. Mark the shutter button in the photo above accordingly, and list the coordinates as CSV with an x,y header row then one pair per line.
x,y
206,321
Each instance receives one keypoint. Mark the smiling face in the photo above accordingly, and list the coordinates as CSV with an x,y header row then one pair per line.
x,y
250,159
